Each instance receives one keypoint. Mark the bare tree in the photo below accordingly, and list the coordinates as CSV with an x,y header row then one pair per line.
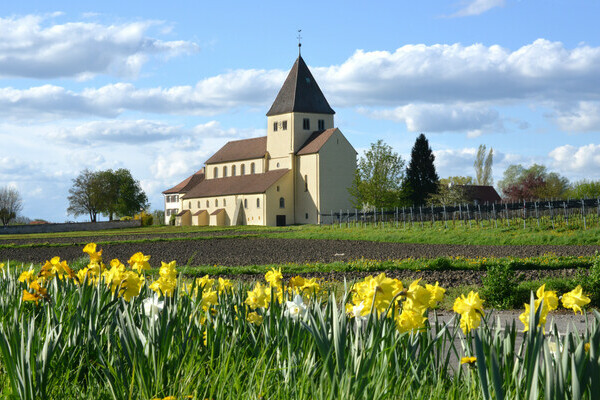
x,y
483,166
85,195
11,204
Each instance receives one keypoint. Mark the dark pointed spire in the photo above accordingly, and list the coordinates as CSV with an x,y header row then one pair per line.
x,y
300,93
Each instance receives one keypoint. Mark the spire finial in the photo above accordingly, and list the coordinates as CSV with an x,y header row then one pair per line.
x,y
299,41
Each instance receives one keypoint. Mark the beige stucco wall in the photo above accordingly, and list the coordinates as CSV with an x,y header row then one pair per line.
x,y
286,190
307,168
337,163
201,219
259,165
281,143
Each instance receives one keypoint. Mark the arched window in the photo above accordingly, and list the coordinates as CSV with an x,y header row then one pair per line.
x,y
252,168
224,171
281,202
190,205
207,203
224,202
217,203
198,203
216,172
233,170
245,203
258,203
243,169
306,183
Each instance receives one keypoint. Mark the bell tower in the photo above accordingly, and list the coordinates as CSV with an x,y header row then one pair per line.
x,y
299,109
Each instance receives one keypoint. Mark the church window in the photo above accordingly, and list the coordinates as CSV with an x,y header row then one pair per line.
x,y
190,205
321,124
245,203
198,203
207,203
216,172
233,170
224,171
252,168
278,188
274,126
306,183
216,202
243,169
306,123
224,202
258,203
306,216
277,165
284,125
281,202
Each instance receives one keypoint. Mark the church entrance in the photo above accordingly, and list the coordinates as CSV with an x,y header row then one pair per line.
x,y
280,220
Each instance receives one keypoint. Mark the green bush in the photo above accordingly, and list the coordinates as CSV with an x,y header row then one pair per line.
x,y
591,282
499,286
126,218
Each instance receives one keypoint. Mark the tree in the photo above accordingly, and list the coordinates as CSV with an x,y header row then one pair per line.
x,y
483,166
11,204
86,195
106,192
584,189
531,183
451,190
420,174
378,178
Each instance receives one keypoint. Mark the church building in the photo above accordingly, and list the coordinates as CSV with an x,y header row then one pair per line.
x,y
303,167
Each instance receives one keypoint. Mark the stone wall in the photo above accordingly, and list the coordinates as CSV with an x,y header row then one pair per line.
x,y
69,227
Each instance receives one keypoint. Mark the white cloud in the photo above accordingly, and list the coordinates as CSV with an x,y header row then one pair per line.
x,y
583,160
476,7
444,118
430,88
32,47
583,117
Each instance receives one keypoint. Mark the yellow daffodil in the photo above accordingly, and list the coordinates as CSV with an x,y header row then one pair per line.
x,y
377,292
95,256
259,297
209,298
575,299
224,285
254,318
27,276
468,360
168,279
470,309
410,321
131,284
139,262
437,294
274,277
417,297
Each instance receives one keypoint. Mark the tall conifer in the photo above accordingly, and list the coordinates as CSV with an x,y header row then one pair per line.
x,y
420,174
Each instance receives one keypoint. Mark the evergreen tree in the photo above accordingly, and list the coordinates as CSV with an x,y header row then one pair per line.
x,y
420,174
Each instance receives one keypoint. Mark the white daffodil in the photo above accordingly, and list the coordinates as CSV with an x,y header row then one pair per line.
x,y
357,313
152,306
296,308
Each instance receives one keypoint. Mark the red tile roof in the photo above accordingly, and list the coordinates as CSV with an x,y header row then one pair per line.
x,y
188,183
241,184
315,141
246,149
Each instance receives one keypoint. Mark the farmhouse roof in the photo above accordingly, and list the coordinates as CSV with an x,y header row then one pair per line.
x,y
315,141
482,194
182,213
187,184
199,212
300,93
241,184
217,211
245,149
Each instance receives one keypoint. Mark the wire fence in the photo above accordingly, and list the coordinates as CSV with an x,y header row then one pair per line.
x,y
553,214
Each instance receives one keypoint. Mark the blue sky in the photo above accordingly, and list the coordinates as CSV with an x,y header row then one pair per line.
x,y
157,87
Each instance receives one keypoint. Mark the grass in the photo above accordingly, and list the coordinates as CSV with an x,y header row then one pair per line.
x,y
437,233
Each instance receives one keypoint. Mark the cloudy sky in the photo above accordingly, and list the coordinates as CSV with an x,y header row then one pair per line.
x,y
157,87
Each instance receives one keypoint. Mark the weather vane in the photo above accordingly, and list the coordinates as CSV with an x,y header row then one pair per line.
x,y
299,41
